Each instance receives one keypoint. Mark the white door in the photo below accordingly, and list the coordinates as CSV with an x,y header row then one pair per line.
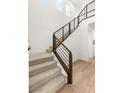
x,y
91,31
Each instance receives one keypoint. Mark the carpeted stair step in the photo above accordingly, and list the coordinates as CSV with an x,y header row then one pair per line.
x,y
39,58
40,79
36,69
52,86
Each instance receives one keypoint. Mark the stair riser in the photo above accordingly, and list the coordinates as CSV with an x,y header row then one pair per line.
x,y
40,61
42,82
40,70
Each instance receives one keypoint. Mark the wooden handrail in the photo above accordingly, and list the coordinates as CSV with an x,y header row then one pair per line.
x,y
63,54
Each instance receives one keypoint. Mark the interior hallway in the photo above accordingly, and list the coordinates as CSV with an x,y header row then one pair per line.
x,y
83,78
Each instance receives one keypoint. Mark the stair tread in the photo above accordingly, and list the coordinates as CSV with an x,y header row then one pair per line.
x,y
53,85
35,67
36,56
35,79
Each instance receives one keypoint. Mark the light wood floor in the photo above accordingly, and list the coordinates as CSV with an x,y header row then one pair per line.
x,y
83,78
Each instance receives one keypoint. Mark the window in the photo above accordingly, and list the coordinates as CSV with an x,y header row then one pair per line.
x,y
45,1
58,4
68,10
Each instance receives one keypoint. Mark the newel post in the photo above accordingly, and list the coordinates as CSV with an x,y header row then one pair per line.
x,y
78,19
86,11
54,43
70,76
69,28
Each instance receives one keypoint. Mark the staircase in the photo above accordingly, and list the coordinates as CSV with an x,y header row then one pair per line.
x,y
63,54
44,74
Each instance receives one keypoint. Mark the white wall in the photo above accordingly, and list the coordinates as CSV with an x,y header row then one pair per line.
x,y
44,19
73,43
78,42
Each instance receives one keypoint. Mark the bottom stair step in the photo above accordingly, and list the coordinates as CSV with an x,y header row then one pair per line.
x,y
52,86
42,78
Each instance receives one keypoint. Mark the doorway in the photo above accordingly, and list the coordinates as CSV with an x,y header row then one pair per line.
x,y
91,39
